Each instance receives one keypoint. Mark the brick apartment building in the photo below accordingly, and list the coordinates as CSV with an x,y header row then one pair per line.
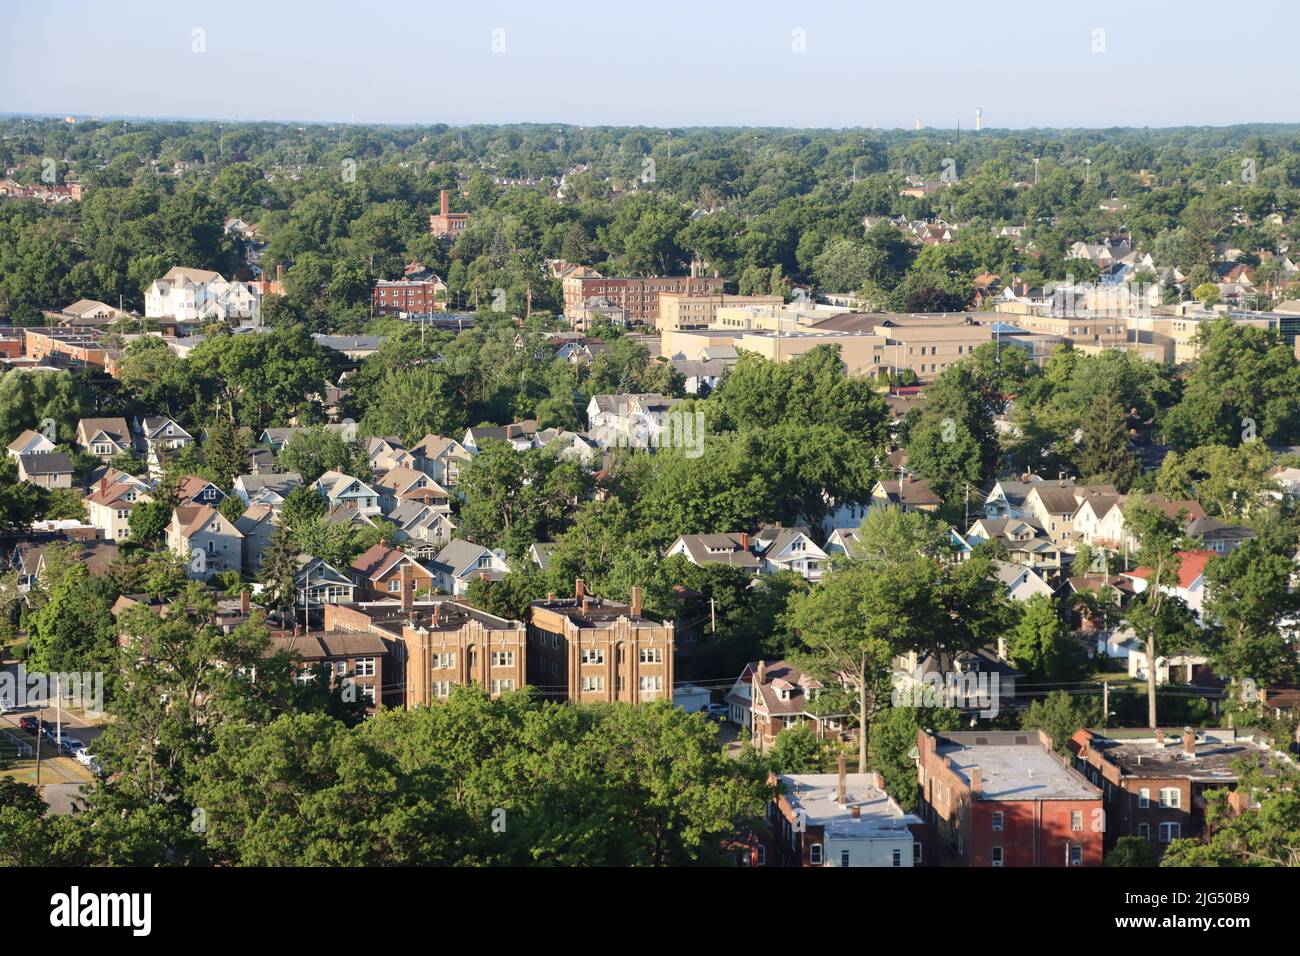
x,y
589,649
1006,798
436,644
638,296
340,655
446,224
1153,787
419,296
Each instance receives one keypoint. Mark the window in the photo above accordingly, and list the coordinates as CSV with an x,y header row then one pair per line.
x,y
394,585
1144,831
368,694
997,822
898,858
1171,797
844,857
441,688
815,854
650,684
1076,855
1144,798
651,655
916,854
501,686
997,856
1076,821
365,667
1170,831
503,658
444,660
593,655
593,684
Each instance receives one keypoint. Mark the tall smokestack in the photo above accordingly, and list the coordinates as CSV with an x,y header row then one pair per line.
x,y
636,601
444,202
844,781
579,589
408,588
979,120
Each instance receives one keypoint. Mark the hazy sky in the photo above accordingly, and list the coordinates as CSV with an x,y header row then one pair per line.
x,y
659,62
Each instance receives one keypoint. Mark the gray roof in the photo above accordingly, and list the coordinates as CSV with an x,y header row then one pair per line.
x,y
1013,766
48,463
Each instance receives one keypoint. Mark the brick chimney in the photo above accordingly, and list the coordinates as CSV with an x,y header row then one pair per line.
x,y
744,541
761,674
579,589
856,812
1189,741
844,782
408,588
103,484
444,202
244,601
636,601
976,782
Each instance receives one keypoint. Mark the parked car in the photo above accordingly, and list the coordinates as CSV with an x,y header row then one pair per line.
x,y
29,724
70,745
87,759
717,712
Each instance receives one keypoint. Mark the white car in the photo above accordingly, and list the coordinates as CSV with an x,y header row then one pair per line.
x,y
87,759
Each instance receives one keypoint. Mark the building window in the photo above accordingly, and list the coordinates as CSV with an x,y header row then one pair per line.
x,y
898,858
441,688
1144,831
593,684
651,684
815,854
365,667
593,655
997,822
1144,798
503,658
651,655
1170,831
1076,821
394,585
997,856
1076,855
368,694
501,686
1171,797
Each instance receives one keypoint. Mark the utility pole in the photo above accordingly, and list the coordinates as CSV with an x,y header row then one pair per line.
x,y
58,713
1105,701
40,722
713,619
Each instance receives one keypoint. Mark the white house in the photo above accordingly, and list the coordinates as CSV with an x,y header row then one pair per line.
x,y
461,561
194,295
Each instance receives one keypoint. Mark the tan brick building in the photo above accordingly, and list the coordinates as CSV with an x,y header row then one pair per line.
x,y
589,649
638,296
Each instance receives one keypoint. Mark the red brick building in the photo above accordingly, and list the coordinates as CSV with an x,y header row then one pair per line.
x,y
1153,787
638,296
1006,798
445,223
340,656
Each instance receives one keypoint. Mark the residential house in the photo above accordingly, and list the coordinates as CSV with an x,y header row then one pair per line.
x,y
461,561
1007,498
539,554
30,443
422,530
910,494
592,649
405,484
1190,587
337,489
197,295
1217,536
379,574
193,490
271,488
844,819
156,437
733,550
1021,582
519,436
1053,505
256,524
1024,540
105,438
48,469
111,502
1005,798
317,583
208,541
441,459
790,549
632,420
1100,519
770,696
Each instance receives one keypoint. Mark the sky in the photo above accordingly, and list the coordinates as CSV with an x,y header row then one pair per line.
x,y
663,63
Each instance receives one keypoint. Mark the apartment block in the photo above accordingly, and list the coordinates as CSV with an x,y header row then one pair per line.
x,y
679,311
1006,798
637,296
587,649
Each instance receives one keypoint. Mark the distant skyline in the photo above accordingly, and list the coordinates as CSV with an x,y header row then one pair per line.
x,y
759,63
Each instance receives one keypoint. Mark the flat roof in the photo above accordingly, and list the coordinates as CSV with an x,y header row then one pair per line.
x,y
1014,771
817,795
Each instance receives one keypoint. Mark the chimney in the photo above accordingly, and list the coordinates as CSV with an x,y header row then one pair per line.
x,y
408,588
444,202
279,272
976,783
878,781
761,675
636,601
1189,741
244,601
856,812
579,589
844,782
744,541
437,613
586,605
103,484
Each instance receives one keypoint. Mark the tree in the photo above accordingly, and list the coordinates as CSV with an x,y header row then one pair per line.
x,y
1267,835
1207,293
1105,454
1249,599
1059,715
893,739
313,451
798,750
21,502
225,451
149,521
302,505
1155,615
279,565
1132,851
512,498
1041,645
